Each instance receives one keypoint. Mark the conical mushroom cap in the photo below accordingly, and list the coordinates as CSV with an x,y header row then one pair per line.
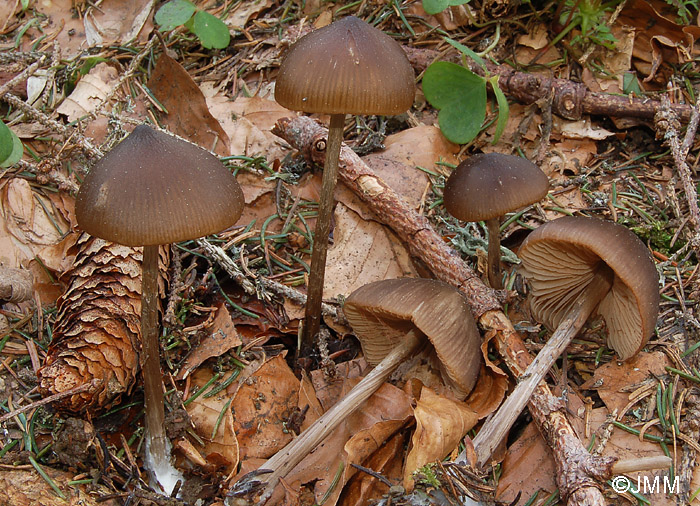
x,y
560,258
154,188
489,185
347,67
381,313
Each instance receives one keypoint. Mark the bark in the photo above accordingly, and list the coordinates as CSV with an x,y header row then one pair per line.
x,y
579,472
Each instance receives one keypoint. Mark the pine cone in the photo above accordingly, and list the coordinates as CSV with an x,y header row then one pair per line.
x,y
97,333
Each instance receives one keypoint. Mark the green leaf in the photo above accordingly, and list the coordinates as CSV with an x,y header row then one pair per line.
x,y
17,152
503,109
212,32
437,6
630,84
460,95
6,141
174,13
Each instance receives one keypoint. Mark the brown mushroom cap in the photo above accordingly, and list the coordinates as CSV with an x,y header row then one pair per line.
x,y
347,67
560,258
489,185
383,312
154,188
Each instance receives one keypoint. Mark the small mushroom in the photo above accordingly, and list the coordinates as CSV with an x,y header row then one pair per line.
x,y
485,187
575,265
394,319
347,67
154,189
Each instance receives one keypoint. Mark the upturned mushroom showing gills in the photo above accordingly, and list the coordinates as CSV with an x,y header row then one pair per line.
x,y
154,189
485,187
347,67
394,319
576,265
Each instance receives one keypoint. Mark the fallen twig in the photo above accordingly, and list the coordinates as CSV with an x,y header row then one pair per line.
x,y
668,126
578,472
48,400
570,100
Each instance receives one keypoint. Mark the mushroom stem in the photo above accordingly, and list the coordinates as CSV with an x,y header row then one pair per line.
x,y
494,256
150,355
284,460
312,316
495,429
642,464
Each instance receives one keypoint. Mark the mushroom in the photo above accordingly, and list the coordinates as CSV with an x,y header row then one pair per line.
x,y
566,260
574,266
484,187
393,319
154,189
347,67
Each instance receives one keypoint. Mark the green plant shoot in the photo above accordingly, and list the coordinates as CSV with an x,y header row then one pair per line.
x,y
460,96
210,30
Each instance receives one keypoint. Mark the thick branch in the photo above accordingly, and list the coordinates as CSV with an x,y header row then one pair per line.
x,y
578,469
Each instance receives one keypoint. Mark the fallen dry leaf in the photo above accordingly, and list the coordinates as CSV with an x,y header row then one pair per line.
x,y
24,487
357,437
657,38
441,423
90,91
388,462
248,122
221,336
613,380
118,22
221,447
188,114
362,252
261,407
243,11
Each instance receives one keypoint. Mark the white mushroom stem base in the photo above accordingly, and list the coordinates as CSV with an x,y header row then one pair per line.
x,y
157,445
496,427
284,460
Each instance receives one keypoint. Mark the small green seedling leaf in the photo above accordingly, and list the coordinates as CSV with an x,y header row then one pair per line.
x,y
503,109
6,141
17,151
460,95
212,32
174,13
437,6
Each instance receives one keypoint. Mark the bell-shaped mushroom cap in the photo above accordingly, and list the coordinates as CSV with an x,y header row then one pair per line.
x,y
489,185
560,258
154,188
347,67
383,312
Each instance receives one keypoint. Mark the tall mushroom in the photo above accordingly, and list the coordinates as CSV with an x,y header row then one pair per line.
x,y
574,267
484,187
347,67
393,319
154,189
